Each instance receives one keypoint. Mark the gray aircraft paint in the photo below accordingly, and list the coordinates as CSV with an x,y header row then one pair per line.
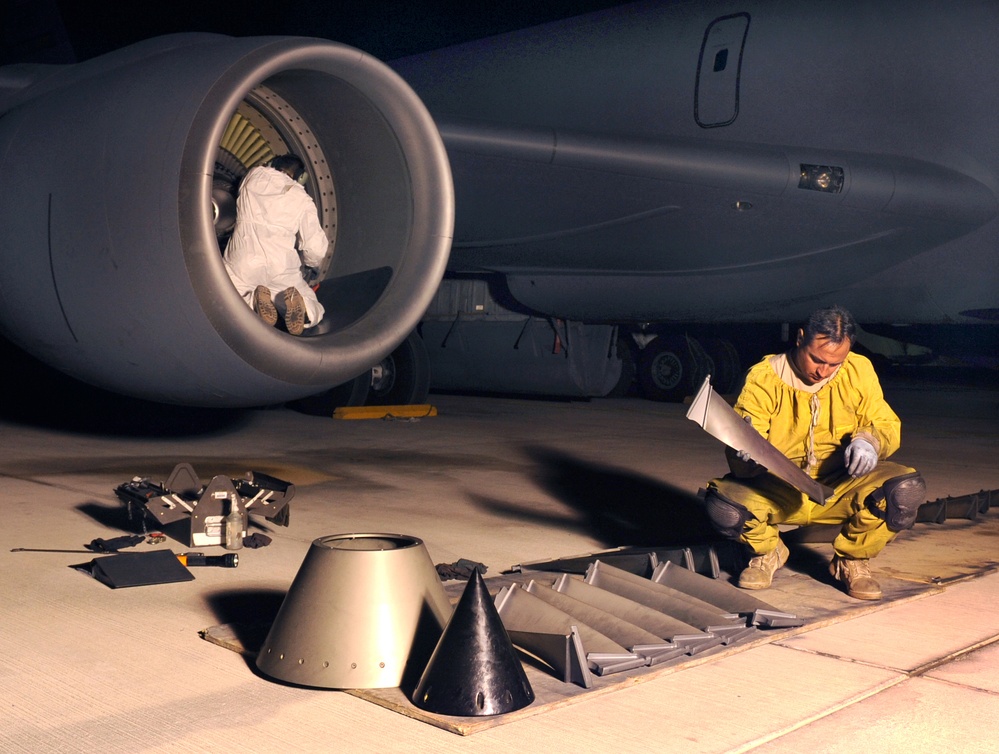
x,y
587,177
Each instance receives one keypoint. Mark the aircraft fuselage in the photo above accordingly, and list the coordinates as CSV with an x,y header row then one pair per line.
x,y
721,161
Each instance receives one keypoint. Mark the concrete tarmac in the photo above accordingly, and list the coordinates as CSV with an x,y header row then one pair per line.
x,y
500,481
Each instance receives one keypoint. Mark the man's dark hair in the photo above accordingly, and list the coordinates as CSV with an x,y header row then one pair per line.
x,y
288,162
834,322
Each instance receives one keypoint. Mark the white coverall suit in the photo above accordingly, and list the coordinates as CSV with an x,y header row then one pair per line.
x,y
272,212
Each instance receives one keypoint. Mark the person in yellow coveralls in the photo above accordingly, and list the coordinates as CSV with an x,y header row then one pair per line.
x,y
822,406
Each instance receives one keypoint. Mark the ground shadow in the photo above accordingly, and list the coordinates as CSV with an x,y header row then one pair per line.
x,y
809,562
619,507
110,516
248,613
47,398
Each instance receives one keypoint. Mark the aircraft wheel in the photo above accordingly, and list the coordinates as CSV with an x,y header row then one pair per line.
x,y
671,367
725,370
629,370
403,377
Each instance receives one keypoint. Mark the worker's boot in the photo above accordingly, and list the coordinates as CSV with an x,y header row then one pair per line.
x,y
761,569
294,311
856,576
263,305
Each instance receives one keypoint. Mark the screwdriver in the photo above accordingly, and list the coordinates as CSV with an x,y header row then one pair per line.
x,y
229,560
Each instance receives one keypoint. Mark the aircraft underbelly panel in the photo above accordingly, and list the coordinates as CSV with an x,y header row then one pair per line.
x,y
550,223
535,200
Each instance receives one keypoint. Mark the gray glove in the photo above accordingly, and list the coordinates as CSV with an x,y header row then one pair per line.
x,y
861,458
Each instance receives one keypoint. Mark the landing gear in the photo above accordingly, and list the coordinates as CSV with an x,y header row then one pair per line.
x,y
403,377
671,367
629,369
725,370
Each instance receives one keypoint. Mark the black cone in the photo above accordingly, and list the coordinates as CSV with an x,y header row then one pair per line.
x,y
474,670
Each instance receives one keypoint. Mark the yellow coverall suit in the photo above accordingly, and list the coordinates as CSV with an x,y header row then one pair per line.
x,y
813,430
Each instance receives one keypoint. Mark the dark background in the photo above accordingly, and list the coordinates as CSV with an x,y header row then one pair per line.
x,y
65,31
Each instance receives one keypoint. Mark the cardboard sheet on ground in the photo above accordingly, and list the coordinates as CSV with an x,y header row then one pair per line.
x,y
721,421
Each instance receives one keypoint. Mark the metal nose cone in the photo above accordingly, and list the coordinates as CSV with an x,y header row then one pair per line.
x,y
363,612
474,669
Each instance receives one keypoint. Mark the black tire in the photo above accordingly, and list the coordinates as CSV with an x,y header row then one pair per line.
x,y
353,393
629,369
671,367
403,377
725,370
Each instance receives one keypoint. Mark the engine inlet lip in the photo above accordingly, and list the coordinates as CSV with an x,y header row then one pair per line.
x,y
334,357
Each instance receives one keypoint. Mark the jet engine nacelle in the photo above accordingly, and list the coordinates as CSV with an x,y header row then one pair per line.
x,y
110,213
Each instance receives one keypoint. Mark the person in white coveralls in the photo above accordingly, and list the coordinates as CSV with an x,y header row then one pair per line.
x,y
276,220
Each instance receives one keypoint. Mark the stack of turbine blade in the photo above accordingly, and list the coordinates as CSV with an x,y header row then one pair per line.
x,y
683,636
654,649
702,558
638,560
551,635
725,596
620,621
709,618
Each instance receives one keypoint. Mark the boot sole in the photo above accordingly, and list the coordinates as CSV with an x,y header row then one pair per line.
x,y
294,311
263,305
864,595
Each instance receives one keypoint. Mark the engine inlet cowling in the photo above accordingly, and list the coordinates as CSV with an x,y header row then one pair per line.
x,y
117,185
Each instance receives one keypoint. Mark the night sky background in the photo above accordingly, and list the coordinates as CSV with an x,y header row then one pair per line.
x,y
64,31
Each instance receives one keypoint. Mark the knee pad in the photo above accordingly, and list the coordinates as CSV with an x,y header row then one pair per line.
x,y
897,501
728,517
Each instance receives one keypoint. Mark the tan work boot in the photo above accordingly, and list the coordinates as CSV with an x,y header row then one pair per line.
x,y
294,311
761,569
856,575
263,305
